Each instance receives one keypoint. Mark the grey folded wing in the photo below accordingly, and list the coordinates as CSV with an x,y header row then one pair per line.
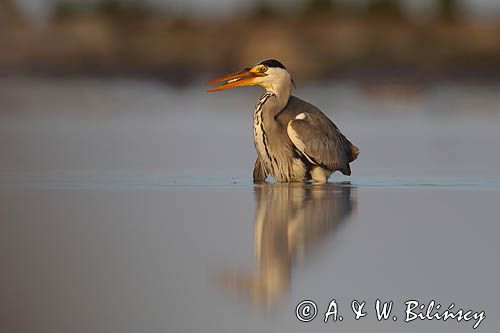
x,y
321,142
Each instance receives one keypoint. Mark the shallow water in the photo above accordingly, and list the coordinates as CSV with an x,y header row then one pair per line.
x,y
127,206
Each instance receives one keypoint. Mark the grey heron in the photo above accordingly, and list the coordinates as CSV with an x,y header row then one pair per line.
x,y
295,141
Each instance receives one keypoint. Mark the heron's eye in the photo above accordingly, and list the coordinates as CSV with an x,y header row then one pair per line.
x,y
263,69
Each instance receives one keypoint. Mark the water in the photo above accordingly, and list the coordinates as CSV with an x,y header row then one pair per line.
x,y
128,206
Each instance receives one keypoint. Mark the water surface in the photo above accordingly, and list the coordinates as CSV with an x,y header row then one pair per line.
x,y
128,206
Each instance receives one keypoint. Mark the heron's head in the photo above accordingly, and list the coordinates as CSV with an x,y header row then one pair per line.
x,y
269,74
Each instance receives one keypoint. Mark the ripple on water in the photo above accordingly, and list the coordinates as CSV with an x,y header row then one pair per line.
x,y
173,182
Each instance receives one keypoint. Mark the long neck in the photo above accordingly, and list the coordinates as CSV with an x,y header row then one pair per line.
x,y
281,86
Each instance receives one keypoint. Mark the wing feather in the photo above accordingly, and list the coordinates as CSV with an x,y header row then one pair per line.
x,y
321,142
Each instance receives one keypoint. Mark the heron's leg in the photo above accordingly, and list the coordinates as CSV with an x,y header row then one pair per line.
x,y
320,175
259,175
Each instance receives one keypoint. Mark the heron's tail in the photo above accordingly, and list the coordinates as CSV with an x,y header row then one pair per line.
x,y
354,152
346,170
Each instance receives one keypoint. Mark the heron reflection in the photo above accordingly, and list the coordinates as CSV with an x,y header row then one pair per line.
x,y
291,219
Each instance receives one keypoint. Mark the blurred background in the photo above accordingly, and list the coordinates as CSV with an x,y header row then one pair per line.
x,y
179,41
105,76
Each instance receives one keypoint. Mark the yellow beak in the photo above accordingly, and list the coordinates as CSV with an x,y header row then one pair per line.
x,y
245,77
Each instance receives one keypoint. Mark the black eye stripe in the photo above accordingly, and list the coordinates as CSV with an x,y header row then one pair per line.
x,y
272,63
